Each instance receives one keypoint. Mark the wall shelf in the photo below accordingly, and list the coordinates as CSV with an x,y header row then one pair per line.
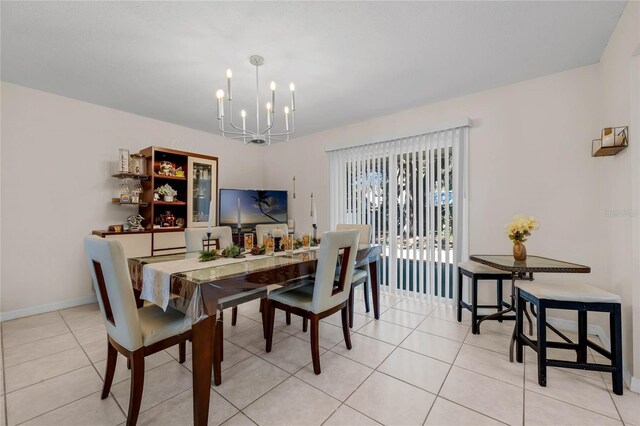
x,y
124,175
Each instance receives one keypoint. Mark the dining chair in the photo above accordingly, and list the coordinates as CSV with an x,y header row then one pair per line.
x,y
319,297
194,238
361,274
132,331
265,228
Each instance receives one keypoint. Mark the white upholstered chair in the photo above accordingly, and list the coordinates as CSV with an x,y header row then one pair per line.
x,y
194,236
320,297
265,228
132,331
361,274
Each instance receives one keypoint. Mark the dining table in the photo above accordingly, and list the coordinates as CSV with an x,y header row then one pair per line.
x,y
524,270
202,289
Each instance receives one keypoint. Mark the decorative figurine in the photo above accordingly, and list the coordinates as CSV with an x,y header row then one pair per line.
x,y
135,222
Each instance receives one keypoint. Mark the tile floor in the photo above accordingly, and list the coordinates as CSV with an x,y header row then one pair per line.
x,y
415,366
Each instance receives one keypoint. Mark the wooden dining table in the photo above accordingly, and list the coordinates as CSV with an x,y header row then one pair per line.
x,y
198,292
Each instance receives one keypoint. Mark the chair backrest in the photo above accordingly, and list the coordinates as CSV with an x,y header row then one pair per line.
x,y
111,280
325,294
194,236
266,228
365,231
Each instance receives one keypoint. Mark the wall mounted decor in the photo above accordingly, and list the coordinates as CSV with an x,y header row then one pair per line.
x,y
612,141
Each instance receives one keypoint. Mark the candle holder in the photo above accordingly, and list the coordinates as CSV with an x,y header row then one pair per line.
x,y
208,242
315,232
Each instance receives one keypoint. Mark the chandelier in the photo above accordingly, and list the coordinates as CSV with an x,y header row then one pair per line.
x,y
262,134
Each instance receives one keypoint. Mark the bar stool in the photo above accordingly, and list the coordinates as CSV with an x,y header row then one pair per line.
x,y
477,271
578,297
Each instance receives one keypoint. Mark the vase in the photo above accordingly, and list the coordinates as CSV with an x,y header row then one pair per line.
x,y
519,251
168,198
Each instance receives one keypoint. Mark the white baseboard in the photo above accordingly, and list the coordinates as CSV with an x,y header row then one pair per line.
x,y
633,383
25,312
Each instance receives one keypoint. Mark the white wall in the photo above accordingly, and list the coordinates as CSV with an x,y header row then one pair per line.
x,y
619,181
57,156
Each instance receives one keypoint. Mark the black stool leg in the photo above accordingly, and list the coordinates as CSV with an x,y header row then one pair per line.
x,y
520,302
542,344
615,330
475,328
499,298
459,304
582,337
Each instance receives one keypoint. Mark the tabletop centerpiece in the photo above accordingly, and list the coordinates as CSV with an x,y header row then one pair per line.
x,y
167,192
518,230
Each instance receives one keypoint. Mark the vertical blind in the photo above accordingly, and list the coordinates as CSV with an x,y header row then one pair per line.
x,y
412,191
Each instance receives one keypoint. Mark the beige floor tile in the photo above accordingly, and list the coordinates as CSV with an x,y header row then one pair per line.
x,y
421,307
3,417
432,345
293,402
449,313
38,349
174,351
179,411
504,327
242,324
572,388
628,406
489,396
403,318
391,401
160,384
31,329
33,401
96,351
339,378
348,416
239,420
418,370
248,380
123,373
330,335
359,321
542,410
490,364
280,322
385,331
246,308
91,334
253,339
90,410
567,355
290,354
443,328
29,373
365,350
386,300
447,413
84,316
360,308
1,382
496,342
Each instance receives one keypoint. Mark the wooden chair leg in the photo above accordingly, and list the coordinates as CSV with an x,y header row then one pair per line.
x,y
112,358
315,343
305,325
459,298
137,384
234,315
288,315
365,287
542,346
265,316
218,350
128,364
271,316
351,308
345,327
182,351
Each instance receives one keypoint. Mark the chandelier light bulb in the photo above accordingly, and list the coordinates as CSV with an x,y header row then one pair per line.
x,y
220,94
243,113
229,73
273,86
268,106
286,110
292,87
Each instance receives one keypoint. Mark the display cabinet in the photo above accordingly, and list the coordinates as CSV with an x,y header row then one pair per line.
x,y
202,187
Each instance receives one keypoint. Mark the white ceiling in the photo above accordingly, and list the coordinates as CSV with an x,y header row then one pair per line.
x,y
350,60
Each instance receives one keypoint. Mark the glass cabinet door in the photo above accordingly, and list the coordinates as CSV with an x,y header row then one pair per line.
x,y
202,189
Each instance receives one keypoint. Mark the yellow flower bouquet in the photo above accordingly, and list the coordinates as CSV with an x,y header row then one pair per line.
x,y
518,230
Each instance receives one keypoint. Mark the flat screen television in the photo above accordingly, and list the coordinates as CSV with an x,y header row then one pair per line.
x,y
256,206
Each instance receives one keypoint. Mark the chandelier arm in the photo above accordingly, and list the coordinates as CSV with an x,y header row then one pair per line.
x,y
227,132
272,122
281,134
231,118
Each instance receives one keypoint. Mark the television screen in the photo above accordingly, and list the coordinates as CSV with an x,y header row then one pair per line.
x,y
255,207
